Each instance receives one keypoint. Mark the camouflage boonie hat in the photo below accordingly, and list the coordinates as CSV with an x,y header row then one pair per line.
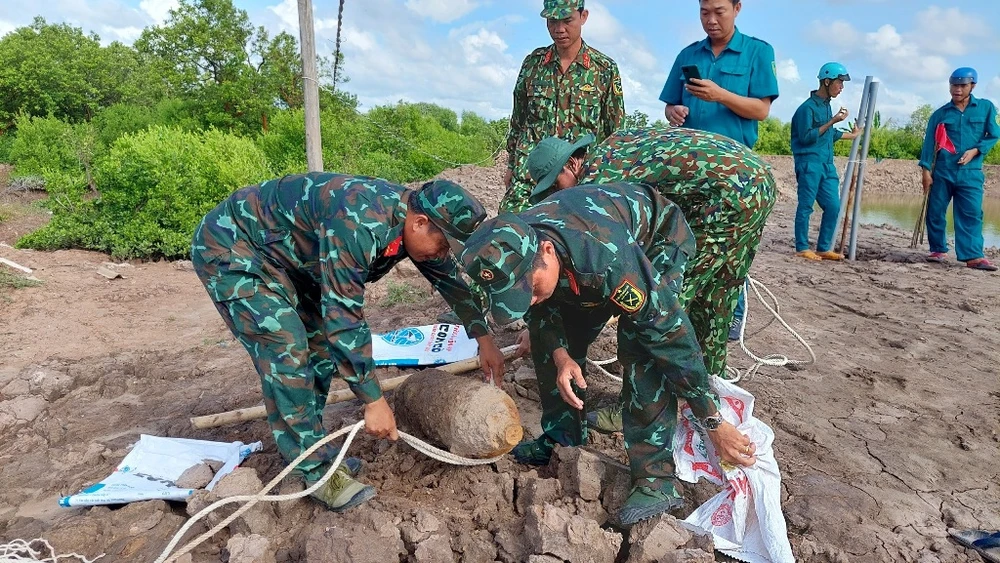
x,y
560,9
450,208
498,257
547,159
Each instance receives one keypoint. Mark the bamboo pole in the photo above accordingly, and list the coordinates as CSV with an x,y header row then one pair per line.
x,y
258,412
918,229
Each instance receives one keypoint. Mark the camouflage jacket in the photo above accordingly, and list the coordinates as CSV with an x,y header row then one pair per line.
x,y
331,234
586,99
624,247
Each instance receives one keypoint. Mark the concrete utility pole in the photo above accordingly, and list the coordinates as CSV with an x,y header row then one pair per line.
x,y
310,86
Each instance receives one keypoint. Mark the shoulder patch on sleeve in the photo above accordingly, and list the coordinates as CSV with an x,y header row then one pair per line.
x,y
997,118
629,297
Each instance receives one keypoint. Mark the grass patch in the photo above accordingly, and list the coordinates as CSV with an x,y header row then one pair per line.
x,y
401,294
9,280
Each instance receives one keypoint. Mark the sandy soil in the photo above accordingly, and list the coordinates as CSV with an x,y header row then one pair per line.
x,y
885,443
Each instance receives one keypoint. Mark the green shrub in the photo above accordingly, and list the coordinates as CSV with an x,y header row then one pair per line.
x,y
6,142
401,143
115,121
774,137
284,143
993,157
43,143
155,187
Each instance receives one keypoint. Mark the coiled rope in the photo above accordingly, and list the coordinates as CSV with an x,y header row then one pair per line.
x,y
735,375
251,500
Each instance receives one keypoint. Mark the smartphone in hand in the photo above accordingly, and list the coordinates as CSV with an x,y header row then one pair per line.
x,y
690,71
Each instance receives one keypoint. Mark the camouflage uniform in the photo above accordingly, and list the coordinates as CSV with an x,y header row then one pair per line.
x,y
586,99
286,263
623,249
726,192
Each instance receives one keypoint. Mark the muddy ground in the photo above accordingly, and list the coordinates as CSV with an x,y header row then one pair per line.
x,y
887,441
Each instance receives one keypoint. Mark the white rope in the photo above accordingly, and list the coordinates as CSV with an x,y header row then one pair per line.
x,y
251,500
776,360
488,160
19,551
599,366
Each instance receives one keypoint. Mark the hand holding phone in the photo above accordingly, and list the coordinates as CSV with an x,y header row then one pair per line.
x,y
690,71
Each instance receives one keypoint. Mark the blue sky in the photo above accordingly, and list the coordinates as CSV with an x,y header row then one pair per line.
x,y
464,54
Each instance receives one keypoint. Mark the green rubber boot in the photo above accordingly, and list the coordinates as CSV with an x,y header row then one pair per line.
x,y
607,420
341,492
645,502
534,452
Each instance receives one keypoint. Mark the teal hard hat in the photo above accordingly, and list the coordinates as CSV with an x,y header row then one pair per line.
x,y
964,75
834,71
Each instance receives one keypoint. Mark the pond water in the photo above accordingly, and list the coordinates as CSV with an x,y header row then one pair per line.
x,y
901,210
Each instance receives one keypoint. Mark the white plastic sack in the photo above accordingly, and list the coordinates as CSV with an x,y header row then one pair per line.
x,y
745,519
149,471
423,346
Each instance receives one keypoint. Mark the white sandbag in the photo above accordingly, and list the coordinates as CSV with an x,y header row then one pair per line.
x,y
150,470
745,519
423,346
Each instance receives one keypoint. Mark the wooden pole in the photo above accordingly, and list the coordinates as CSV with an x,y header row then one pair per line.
x,y
259,412
918,230
310,87
847,212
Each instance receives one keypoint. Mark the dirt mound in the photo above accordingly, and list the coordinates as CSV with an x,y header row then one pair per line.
x,y
884,444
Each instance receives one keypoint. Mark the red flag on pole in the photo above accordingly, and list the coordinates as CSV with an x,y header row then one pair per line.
x,y
941,139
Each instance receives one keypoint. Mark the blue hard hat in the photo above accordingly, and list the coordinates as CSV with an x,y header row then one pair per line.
x,y
964,75
834,71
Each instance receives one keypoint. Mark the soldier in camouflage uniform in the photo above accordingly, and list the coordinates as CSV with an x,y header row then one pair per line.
x,y
286,263
571,263
725,191
567,89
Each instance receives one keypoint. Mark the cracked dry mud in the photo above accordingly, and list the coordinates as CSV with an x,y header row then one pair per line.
x,y
884,444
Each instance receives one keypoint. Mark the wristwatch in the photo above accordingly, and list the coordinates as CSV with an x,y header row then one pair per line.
x,y
712,423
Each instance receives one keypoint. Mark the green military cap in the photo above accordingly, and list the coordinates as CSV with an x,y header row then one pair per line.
x,y
450,208
498,257
560,9
547,159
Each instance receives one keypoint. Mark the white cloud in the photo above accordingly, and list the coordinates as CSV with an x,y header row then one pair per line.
x,y
158,10
288,15
788,71
949,31
642,73
6,27
443,11
360,40
390,55
476,45
126,35
904,58
885,48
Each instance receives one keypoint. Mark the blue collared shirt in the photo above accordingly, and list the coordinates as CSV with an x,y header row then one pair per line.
x,y
745,67
806,140
978,127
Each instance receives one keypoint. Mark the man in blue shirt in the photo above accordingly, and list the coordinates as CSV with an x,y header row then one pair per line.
x,y
973,126
739,82
813,136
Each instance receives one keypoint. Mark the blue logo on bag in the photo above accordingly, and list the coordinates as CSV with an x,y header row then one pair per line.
x,y
404,337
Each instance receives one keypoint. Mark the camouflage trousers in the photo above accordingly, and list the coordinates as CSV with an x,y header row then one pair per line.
x,y
278,321
650,405
727,235
726,193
